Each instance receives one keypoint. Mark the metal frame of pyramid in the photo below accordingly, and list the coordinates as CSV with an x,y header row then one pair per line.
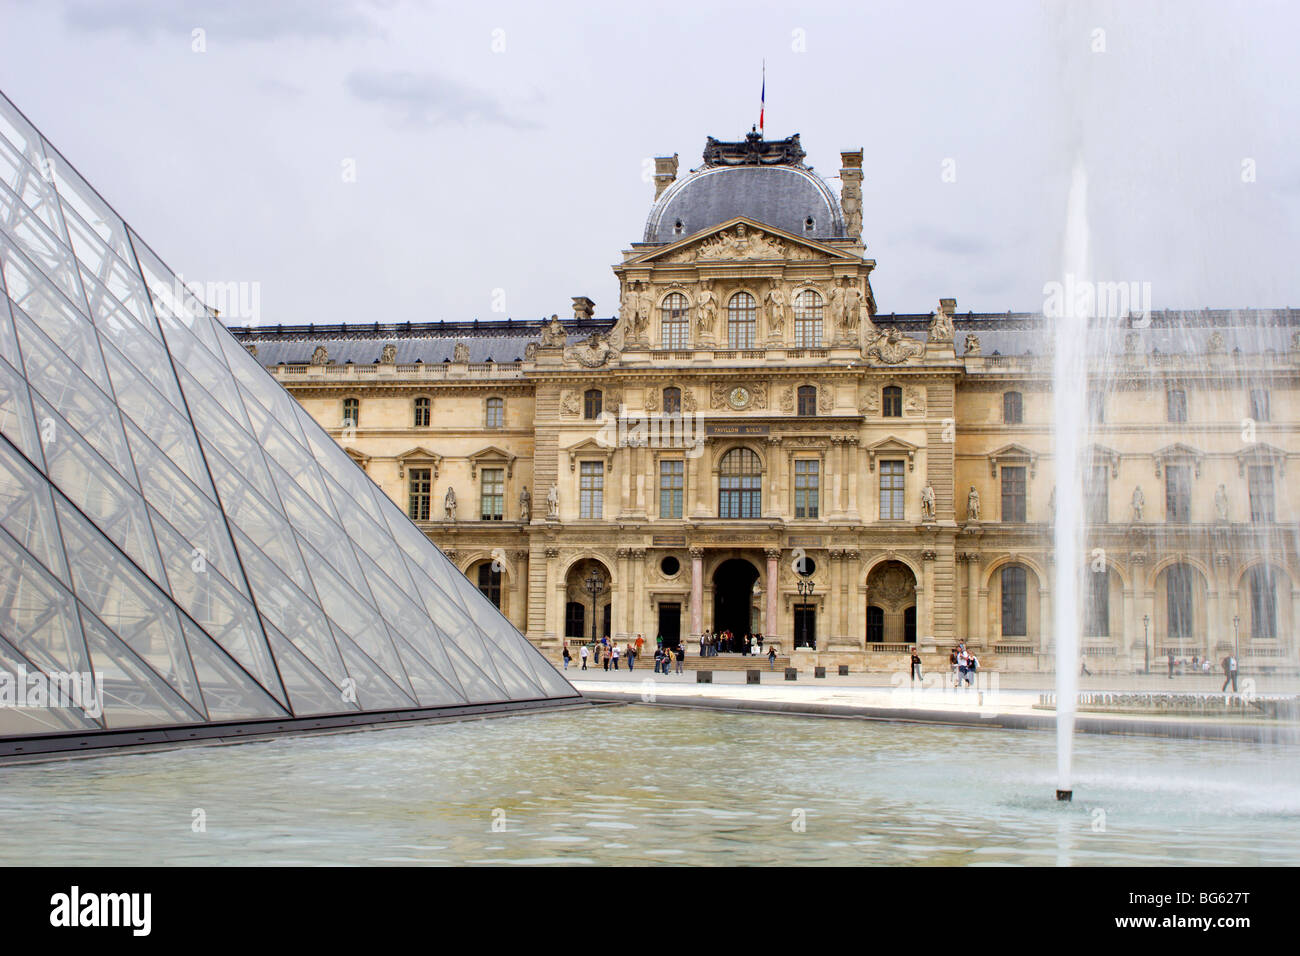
x,y
179,539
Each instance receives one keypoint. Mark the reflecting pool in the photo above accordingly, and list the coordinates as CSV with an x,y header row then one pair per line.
x,y
639,784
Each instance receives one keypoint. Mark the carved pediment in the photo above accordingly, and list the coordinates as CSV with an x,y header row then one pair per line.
x,y
740,239
1098,455
1013,454
491,455
416,456
590,448
359,457
1179,454
1261,453
892,447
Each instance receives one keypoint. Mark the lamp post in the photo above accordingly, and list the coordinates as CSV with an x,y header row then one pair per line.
x,y
805,593
1236,644
595,586
1146,642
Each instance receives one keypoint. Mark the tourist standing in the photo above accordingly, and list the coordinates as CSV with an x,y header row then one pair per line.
x,y
972,667
759,638
771,656
1171,665
566,655
582,653
1229,673
613,654
952,665
916,667
681,656
640,643
631,655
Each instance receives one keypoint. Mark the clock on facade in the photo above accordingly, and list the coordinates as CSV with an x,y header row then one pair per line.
x,y
739,397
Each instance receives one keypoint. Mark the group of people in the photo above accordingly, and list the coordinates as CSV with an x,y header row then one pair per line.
x,y
666,657
725,642
606,652
1201,665
965,665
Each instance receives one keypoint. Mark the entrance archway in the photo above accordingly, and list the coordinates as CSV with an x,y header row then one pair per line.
x,y
579,604
891,604
733,597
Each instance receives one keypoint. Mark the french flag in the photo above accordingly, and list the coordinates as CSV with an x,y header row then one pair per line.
x,y
762,98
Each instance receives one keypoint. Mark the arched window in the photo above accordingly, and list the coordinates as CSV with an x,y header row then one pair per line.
x,y
672,400
1013,408
489,582
742,321
807,400
808,320
674,326
496,412
1015,602
740,484
422,406
593,403
1178,601
891,404
1263,603
351,412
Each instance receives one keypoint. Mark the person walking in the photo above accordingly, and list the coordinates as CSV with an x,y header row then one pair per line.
x,y
582,653
1171,665
640,643
952,665
1229,673
916,667
771,657
963,663
613,654
631,655
1083,667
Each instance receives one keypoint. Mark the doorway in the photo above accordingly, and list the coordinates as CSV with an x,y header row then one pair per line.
x,y
733,596
670,624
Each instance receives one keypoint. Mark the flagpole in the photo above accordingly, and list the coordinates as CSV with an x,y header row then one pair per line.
x,y
762,100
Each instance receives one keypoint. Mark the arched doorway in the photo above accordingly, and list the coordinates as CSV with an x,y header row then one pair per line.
x,y
891,604
733,597
579,602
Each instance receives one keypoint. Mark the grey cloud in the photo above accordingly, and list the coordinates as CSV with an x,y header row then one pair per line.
x,y
237,20
427,99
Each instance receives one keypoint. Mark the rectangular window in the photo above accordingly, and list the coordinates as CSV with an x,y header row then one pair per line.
x,y
807,331
591,497
892,401
1015,602
891,491
1259,409
494,494
1098,611
421,493
1097,493
807,476
1178,600
805,625
1176,405
1013,494
1096,408
496,412
1261,493
1178,493
672,482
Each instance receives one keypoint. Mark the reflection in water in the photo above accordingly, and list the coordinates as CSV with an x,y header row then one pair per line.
x,y
643,784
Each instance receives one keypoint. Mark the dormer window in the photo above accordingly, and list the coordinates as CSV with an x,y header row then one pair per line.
x,y
809,224
678,228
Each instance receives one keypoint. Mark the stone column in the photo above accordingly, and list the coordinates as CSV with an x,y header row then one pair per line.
x,y
925,610
776,503
848,571
519,589
697,591
853,461
770,632
973,629
624,613
636,592
1045,619
554,620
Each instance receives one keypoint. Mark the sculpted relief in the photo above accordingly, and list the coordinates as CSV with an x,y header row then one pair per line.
x,y
740,242
892,347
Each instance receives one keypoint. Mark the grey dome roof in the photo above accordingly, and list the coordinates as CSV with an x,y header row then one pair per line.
x,y
784,196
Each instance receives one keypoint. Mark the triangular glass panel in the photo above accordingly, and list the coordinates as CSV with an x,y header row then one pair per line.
x,y
229,693
310,691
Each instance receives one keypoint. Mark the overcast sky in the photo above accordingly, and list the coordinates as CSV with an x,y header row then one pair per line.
x,y
503,146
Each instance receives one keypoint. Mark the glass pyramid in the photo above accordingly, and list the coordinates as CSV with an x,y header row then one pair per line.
x,y
181,545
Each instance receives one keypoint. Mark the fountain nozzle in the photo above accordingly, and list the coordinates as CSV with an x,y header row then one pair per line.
x,y
1065,795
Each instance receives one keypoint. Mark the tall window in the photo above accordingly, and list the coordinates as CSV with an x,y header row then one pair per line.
x,y
496,412
1013,408
740,484
489,582
494,494
875,624
1175,405
806,487
1097,623
1259,404
1015,602
808,320
1096,408
1261,493
593,403
422,406
1263,602
1013,494
421,493
674,322
672,482
807,400
591,489
742,321
672,401
1097,495
575,619
891,404
1178,493
891,491
351,412
1178,600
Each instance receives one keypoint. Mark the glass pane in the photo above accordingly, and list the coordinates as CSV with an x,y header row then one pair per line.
x,y
20,173
374,689
8,341
430,687
310,691
16,422
265,527
43,715
134,696
175,306
37,614
42,245
478,689
143,355
27,511
228,692
219,431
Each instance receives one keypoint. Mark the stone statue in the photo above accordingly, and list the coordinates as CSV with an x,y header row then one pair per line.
x,y
553,501
1051,504
593,353
553,334
1139,503
1216,343
973,505
525,505
706,307
972,344
776,310
321,356
449,504
852,306
1221,503
389,354
941,328
460,353
927,503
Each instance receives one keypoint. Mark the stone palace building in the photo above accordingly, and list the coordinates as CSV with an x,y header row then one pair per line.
x,y
751,444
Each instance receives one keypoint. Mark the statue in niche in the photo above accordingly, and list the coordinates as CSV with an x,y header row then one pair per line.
x,y
460,353
706,308
776,310
972,344
973,505
553,501
449,504
927,503
852,306
1221,503
1139,503
320,356
389,354
525,505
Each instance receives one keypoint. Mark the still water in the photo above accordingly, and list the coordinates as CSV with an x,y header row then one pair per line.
x,y
620,785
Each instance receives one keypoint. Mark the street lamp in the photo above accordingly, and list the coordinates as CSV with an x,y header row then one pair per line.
x,y
595,586
1236,644
1146,642
805,586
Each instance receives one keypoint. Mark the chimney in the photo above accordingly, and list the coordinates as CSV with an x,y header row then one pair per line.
x,y
583,308
665,173
948,307
851,192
